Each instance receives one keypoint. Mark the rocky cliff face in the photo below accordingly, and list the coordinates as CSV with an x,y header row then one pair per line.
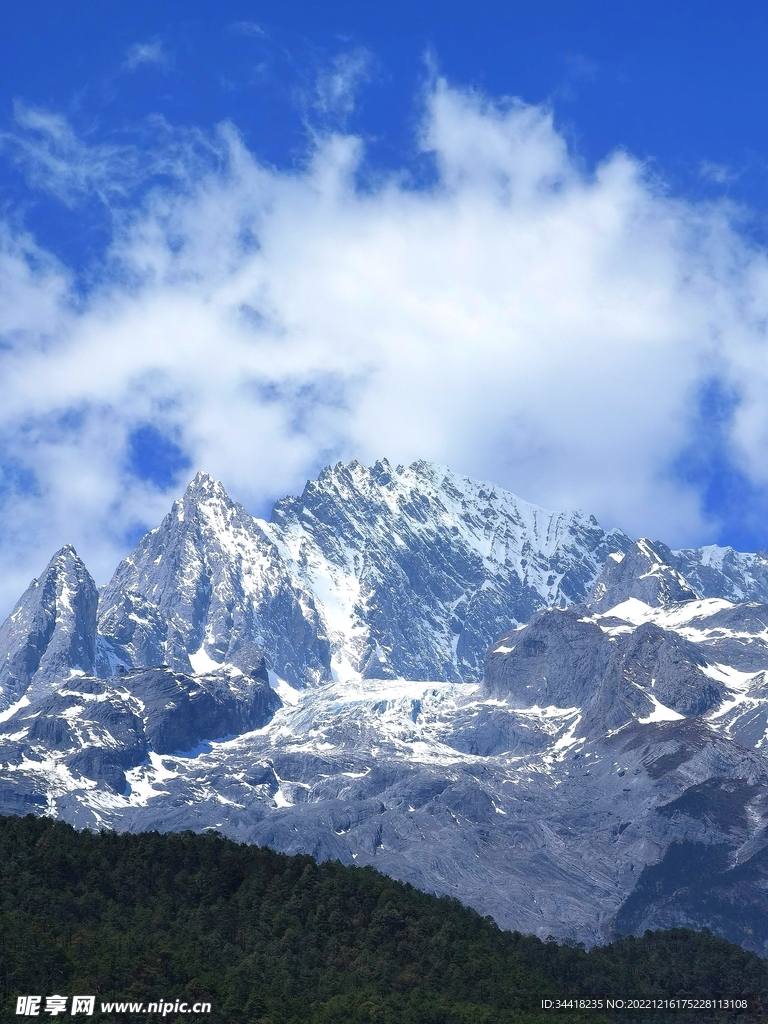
x,y
559,726
713,571
417,570
645,572
372,573
613,672
51,633
206,588
94,730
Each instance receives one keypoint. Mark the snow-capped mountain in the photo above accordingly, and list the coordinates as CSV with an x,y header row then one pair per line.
x,y
373,573
51,632
208,587
714,571
560,726
416,570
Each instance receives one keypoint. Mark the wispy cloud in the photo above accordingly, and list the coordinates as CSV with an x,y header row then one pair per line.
x,y
151,53
55,159
337,85
518,318
718,174
247,28
581,68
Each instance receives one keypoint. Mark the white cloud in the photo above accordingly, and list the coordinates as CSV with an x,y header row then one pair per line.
x,y
519,319
55,159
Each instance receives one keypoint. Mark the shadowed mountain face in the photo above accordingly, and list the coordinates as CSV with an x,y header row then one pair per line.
x,y
644,572
413,670
565,659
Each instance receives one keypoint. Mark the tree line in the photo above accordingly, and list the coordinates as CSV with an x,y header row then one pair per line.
x,y
274,939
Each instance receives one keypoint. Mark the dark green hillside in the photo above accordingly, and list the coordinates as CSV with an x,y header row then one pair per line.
x,y
270,938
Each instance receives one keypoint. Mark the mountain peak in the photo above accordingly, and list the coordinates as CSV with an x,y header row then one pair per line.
x,y
645,572
204,488
65,569
208,586
416,570
51,630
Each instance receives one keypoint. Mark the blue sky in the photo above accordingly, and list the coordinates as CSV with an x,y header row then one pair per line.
x,y
524,239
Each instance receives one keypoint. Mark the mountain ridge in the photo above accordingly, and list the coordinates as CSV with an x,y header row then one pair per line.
x,y
413,670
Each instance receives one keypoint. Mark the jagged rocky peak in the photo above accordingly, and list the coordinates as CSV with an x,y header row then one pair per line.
x,y
206,588
707,572
418,569
204,496
205,492
51,632
645,572
203,487
380,572
722,572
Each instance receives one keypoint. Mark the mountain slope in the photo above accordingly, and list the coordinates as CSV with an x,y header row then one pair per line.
x,y
262,936
416,570
548,778
51,633
208,587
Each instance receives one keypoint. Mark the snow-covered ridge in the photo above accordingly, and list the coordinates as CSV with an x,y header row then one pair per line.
x,y
715,571
374,572
415,569
316,683
731,641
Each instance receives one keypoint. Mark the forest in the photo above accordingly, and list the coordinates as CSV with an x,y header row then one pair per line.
x,y
274,939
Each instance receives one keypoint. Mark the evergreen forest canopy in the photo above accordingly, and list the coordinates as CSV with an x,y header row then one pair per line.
x,y
272,939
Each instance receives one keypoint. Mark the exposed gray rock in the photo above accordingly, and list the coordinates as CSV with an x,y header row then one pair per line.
x,y
659,660
556,796
101,729
210,580
644,572
559,658
564,659
735,635
714,571
52,630
180,712
133,631
425,568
